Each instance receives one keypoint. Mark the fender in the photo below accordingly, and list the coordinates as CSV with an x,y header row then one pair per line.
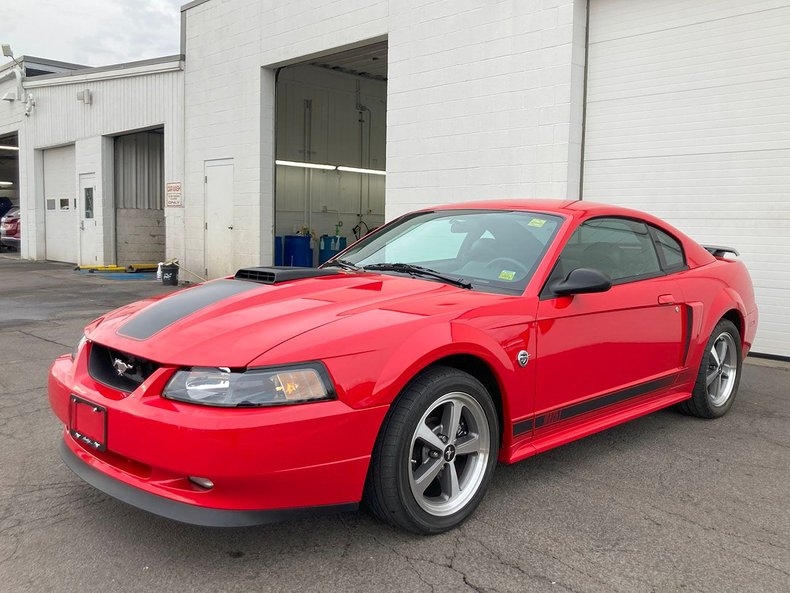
x,y
725,300
431,344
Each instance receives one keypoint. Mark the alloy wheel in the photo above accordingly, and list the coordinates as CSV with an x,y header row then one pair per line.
x,y
722,369
448,454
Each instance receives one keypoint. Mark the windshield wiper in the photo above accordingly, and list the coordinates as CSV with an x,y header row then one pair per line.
x,y
342,263
418,271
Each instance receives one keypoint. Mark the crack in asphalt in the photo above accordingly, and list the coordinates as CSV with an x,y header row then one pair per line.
x,y
534,576
32,335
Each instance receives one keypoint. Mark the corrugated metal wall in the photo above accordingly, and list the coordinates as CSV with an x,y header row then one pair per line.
x,y
139,175
119,106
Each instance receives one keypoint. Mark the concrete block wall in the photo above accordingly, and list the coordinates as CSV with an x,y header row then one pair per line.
x,y
484,100
222,111
233,48
141,236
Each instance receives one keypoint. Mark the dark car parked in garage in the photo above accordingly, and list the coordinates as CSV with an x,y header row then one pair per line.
x,y
9,229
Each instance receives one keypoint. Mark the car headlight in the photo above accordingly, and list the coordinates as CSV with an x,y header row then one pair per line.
x,y
273,386
78,347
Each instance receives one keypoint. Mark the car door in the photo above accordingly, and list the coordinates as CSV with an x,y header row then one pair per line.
x,y
600,349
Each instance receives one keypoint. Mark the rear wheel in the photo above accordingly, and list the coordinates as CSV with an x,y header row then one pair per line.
x,y
435,454
719,374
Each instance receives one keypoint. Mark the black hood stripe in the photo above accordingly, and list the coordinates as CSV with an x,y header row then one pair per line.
x,y
158,316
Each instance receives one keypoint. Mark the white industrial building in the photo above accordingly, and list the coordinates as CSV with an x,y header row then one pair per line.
x,y
677,107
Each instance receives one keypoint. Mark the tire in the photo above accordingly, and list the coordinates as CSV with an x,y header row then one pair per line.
x,y
708,400
410,481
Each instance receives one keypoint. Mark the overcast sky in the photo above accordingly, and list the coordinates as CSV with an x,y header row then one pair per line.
x,y
91,32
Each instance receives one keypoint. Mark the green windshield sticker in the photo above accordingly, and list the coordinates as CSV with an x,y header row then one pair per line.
x,y
506,275
538,222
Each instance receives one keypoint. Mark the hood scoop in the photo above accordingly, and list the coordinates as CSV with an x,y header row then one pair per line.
x,y
277,274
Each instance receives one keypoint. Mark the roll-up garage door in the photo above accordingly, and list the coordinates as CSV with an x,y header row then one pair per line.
x,y
60,202
688,117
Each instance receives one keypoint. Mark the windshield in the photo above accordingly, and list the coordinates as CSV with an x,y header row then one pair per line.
x,y
493,250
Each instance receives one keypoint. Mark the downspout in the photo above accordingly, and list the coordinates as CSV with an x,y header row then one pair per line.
x,y
584,98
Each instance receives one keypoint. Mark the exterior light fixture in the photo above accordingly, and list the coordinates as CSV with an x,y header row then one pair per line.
x,y
306,165
363,171
330,167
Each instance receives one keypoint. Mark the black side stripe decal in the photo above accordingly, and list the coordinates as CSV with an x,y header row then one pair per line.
x,y
689,328
158,316
522,427
590,405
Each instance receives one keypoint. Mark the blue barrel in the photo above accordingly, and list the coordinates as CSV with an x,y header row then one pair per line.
x,y
329,246
297,252
278,251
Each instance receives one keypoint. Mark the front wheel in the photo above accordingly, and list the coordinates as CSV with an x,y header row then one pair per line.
x,y
435,454
719,374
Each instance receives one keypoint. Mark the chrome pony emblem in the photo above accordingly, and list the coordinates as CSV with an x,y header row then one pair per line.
x,y
121,367
523,358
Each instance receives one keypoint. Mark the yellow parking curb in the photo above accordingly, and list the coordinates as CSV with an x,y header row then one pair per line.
x,y
100,268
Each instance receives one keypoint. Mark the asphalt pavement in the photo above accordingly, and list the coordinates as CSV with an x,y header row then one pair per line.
x,y
664,503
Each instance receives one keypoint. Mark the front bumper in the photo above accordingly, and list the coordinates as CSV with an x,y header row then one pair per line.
x,y
10,242
279,460
186,513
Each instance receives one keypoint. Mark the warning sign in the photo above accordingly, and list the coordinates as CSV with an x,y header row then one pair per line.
x,y
173,196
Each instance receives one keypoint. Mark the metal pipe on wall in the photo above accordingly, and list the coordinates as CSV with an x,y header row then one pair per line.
x,y
363,163
308,154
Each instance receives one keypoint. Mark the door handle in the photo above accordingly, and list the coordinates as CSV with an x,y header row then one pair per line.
x,y
666,299
231,227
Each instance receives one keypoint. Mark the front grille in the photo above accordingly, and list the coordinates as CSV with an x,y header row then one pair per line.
x,y
105,363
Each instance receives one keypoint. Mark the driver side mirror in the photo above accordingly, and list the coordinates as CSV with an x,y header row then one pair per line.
x,y
582,281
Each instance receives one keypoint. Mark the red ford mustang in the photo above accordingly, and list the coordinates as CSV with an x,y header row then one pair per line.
x,y
400,372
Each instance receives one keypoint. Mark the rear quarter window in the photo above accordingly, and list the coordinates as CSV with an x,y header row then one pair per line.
x,y
671,250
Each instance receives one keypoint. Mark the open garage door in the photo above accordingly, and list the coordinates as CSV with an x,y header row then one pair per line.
x,y
9,188
331,139
688,117
139,198
60,199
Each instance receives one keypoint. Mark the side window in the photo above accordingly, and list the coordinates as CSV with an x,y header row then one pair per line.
x,y
618,247
670,250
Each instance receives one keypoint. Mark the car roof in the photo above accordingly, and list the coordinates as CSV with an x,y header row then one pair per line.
x,y
583,209
567,207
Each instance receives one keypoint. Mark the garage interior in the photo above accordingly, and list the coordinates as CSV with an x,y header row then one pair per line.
x,y
139,197
330,144
9,172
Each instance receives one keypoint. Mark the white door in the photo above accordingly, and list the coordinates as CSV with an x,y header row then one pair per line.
x,y
60,198
688,117
88,199
219,217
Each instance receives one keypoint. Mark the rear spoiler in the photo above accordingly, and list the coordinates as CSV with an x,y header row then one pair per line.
x,y
720,251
